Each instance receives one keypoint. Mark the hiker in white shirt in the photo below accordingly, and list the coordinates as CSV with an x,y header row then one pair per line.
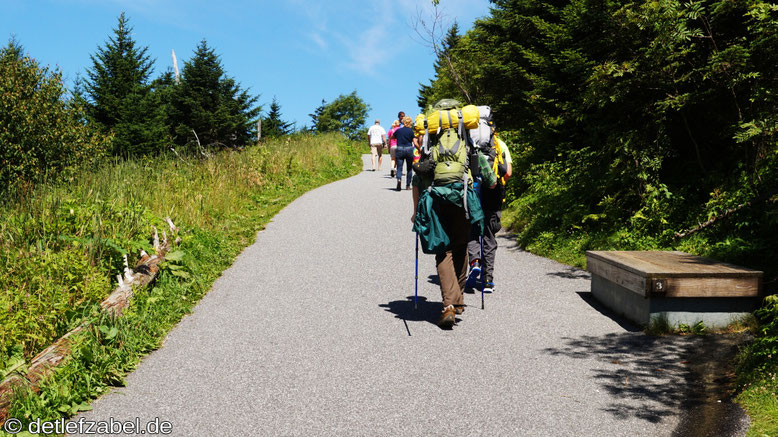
x,y
377,138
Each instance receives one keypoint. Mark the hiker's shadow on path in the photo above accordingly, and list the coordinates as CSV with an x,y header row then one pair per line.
x,y
423,311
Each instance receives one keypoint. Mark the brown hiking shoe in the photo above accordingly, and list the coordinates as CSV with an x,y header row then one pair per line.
x,y
459,309
448,318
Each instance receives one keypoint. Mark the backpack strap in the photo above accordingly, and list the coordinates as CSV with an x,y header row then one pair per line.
x,y
464,135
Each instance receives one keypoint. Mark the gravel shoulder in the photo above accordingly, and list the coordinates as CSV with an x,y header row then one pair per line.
x,y
312,332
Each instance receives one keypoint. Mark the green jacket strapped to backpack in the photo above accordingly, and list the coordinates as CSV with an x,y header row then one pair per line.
x,y
427,224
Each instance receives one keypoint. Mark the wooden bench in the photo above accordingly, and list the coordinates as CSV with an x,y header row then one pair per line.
x,y
684,288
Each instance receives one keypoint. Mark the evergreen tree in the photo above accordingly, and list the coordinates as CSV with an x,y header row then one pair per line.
x,y
273,125
316,114
210,104
120,97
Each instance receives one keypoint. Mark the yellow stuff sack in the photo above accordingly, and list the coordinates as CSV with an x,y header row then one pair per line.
x,y
446,119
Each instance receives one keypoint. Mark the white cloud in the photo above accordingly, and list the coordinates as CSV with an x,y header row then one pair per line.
x,y
318,40
368,33
370,50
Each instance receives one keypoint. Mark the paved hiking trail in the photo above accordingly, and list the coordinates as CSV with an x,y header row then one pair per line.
x,y
311,332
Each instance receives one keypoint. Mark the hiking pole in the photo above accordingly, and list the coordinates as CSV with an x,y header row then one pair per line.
x,y
482,271
416,292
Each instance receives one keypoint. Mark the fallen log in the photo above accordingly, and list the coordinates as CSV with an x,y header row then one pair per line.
x,y
44,364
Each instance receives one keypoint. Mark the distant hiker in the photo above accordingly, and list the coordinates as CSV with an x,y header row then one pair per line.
x,y
494,171
404,153
377,137
447,206
393,146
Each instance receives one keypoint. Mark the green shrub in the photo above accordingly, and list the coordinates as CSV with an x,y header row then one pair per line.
x,y
41,132
760,358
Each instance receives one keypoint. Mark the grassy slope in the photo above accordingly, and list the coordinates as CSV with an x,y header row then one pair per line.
x,y
219,204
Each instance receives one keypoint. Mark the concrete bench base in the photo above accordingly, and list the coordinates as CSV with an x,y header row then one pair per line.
x,y
677,286
714,312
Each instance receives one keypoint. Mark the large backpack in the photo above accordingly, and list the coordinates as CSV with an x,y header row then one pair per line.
x,y
486,145
446,140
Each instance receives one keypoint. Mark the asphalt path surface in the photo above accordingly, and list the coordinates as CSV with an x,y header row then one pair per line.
x,y
313,331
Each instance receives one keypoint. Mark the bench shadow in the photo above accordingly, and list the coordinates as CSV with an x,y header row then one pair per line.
x,y
625,323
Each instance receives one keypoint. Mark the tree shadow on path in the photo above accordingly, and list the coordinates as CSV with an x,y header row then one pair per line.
x,y
652,378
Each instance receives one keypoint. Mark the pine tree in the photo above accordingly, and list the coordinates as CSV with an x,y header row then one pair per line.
x,y
273,125
316,114
120,97
210,104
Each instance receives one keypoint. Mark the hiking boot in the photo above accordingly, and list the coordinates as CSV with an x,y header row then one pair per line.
x,y
448,318
459,309
392,173
489,287
399,186
472,277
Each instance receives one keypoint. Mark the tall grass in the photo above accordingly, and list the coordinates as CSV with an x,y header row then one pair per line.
x,y
61,244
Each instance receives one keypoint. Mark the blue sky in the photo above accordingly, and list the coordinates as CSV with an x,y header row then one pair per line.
x,y
298,51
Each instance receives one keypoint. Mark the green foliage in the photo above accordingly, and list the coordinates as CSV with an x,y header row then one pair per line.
x,y
120,97
758,369
41,132
346,115
208,106
761,356
630,123
109,213
273,126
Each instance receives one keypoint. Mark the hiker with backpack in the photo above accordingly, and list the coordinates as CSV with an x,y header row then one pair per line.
x,y
404,152
376,136
493,171
447,206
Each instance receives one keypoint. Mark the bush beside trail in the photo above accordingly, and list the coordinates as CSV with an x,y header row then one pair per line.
x,y
71,238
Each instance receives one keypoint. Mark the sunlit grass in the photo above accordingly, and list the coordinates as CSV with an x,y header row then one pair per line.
x,y
61,244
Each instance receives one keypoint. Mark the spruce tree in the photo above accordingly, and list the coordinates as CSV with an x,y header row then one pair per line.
x,y
120,97
273,125
210,104
316,114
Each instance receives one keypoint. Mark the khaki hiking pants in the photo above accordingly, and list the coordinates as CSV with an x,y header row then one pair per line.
x,y
452,265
